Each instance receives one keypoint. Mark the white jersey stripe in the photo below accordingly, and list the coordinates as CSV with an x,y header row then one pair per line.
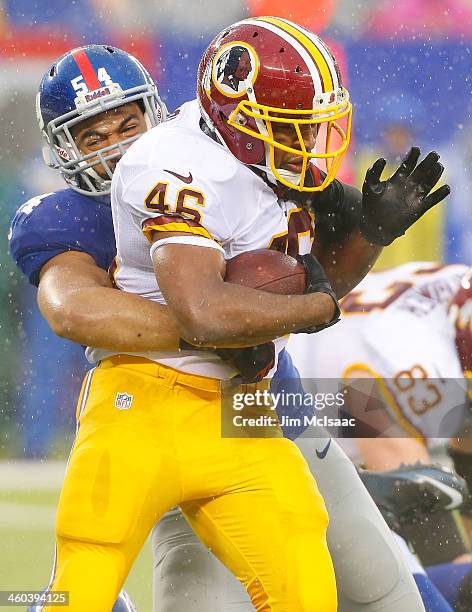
x,y
306,57
310,46
321,47
84,397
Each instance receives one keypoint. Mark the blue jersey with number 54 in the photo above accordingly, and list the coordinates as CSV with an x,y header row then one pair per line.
x,y
54,223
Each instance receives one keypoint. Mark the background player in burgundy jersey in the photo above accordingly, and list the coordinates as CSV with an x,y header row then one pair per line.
x,y
397,333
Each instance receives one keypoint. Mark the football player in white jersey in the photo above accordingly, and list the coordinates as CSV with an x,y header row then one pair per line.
x,y
187,219
184,195
397,335
396,331
87,311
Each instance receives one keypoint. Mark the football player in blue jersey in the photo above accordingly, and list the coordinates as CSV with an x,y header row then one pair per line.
x,y
92,104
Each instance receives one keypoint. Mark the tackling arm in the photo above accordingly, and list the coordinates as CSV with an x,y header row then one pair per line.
x,y
346,261
340,247
79,303
216,313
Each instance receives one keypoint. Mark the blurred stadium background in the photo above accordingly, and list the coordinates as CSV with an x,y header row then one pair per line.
x,y
408,66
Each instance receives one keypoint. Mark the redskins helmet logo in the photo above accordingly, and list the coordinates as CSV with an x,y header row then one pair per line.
x,y
235,68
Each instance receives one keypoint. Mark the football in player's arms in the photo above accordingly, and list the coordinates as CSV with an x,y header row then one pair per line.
x,y
91,286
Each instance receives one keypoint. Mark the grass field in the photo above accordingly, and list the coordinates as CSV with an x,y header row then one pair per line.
x,y
28,496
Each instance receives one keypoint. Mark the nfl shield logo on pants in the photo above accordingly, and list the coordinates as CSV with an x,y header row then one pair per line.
x,y
123,401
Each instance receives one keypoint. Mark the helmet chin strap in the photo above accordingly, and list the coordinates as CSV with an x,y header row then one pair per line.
x,y
292,177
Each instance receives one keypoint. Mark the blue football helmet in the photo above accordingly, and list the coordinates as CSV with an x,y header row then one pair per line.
x,y
81,84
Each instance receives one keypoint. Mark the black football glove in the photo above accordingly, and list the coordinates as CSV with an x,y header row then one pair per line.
x,y
316,281
253,363
390,207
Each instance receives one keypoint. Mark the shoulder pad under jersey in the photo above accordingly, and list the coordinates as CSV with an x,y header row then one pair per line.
x,y
61,221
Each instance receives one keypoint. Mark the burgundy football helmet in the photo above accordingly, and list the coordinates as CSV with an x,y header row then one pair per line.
x,y
264,72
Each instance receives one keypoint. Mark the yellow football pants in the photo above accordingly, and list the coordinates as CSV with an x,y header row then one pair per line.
x,y
252,501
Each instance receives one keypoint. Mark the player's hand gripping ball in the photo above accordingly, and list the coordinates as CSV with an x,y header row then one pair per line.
x,y
273,272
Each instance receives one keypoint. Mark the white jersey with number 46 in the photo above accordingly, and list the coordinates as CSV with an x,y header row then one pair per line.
x,y
176,178
395,328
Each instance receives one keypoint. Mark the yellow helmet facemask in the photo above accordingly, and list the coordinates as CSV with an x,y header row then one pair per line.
x,y
265,118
